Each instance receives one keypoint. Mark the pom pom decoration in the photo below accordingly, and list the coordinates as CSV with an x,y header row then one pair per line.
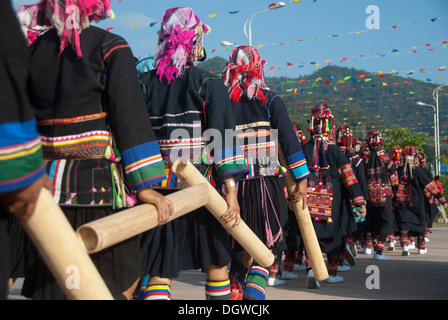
x,y
281,172
206,28
112,154
130,201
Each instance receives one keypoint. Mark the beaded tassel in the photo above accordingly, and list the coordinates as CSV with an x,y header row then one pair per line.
x,y
270,238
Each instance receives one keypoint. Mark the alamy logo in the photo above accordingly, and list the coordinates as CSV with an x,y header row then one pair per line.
x,y
373,21
373,281
220,145
72,21
72,281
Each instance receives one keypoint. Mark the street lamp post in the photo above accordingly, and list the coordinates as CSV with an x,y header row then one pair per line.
x,y
435,95
436,140
249,20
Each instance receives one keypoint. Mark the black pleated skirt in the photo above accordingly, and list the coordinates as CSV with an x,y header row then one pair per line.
x,y
119,265
264,209
381,219
193,241
4,254
18,245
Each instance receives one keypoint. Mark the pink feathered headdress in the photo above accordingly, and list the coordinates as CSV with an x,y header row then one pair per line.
x,y
180,40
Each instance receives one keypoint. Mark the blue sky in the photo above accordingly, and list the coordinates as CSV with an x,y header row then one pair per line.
x,y
410,37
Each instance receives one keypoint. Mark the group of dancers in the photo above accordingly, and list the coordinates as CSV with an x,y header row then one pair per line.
x,y
106,137
402,200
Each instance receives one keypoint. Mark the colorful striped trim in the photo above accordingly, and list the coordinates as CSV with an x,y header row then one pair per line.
x,y
394,179
195,124
359,200
432,188
217,290
253,125
227,155
22,181
256,282
356,158
56,175
251,134
142,287
347,176
238,171
174,115
172,149
78,139
143,165
230,161
251,287
259,271
90,145
297,166
17,133
113,49
20,150
20,155
84,118
158,292
259,150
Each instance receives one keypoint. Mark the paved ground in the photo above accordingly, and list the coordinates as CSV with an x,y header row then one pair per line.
x,y
416,277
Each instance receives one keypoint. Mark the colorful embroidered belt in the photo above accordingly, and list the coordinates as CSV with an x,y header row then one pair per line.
x,y
88,145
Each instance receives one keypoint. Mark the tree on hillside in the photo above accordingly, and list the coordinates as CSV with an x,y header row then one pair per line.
x,y
403,137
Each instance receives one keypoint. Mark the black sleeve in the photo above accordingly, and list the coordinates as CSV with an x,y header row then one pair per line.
x,y
128,114
14,102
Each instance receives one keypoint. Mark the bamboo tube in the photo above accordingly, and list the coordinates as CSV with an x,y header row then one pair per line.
x,y
190,176
103,233
306,227
62,252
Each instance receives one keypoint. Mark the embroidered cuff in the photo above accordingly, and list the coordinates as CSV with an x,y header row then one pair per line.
x,y
347,175
394,179
143,165
358,201
230,161
297,166
20,155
